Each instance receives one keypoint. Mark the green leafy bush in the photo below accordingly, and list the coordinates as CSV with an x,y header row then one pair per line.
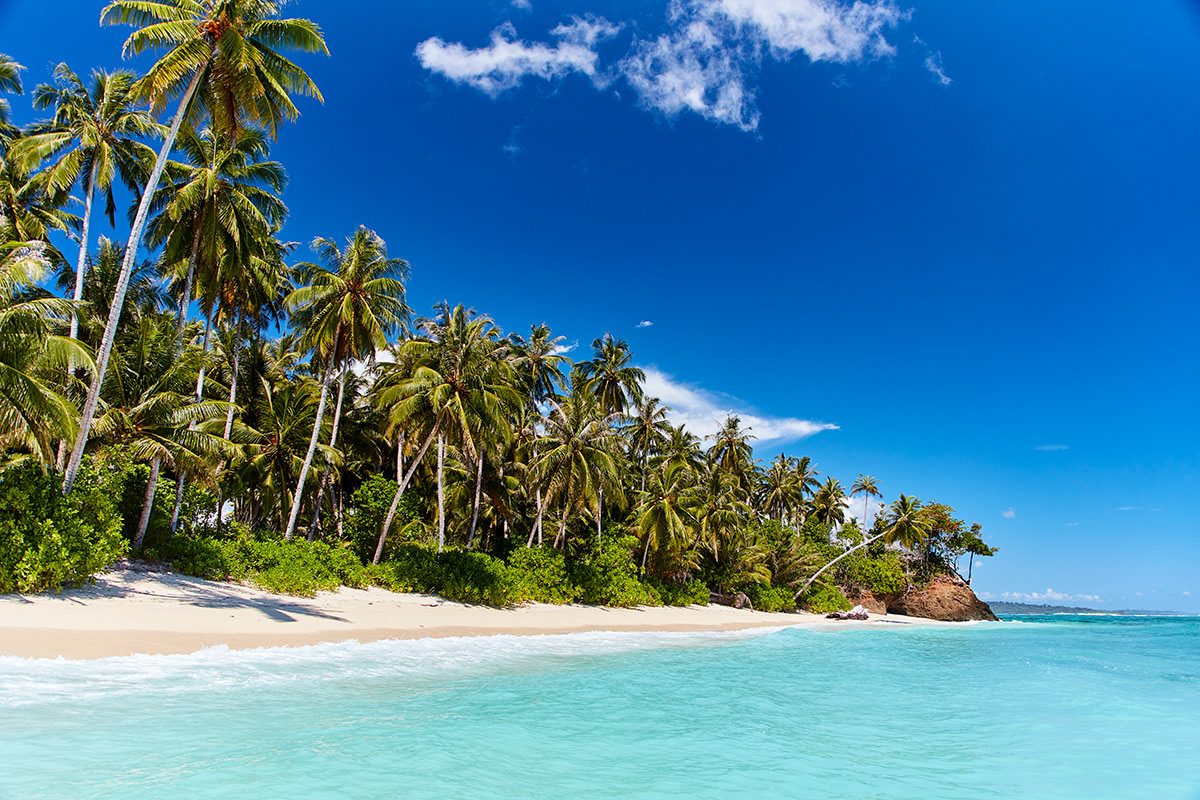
x,y
477,578
688,593
409,568
48,541
881,575
365,514
607,575
298,567
540,574
770,598
821,598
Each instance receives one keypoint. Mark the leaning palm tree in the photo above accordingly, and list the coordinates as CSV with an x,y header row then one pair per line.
x,y
906,526
33,411
350,306
223,62
447,383
92,140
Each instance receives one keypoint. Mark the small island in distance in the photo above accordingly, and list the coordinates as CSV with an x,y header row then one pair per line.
x,y
1002,608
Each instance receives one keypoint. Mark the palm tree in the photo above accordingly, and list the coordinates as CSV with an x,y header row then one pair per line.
x,y
580,459
804,481
447,382
346,312
28,211
664,519
92,140
683,447
609,377
647,431
868,487
778,491
152,416
33,411
224,55
829,503
906,526
720,507
732,452
144,296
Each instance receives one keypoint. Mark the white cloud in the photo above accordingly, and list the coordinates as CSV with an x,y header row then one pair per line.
x,y
933,64
522,5
703,411
513,147
863,508
1052,448
1048,596
1070,524
1128,508
1187,594
703,63
506,60
563,349
645,324
1008,513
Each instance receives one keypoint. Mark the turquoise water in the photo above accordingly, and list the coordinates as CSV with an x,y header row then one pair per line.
x,y
1046,707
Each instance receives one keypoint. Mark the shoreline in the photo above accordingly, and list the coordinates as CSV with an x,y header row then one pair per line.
x,y
127,612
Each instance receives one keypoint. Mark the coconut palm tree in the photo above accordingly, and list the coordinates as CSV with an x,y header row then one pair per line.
x,y
829,504
92,140
347,310
222,60
732,452
664,518
778,492
906,526
33,410
447,383
145,294
720,506
28,210
683,447
609,376
868,487
647,432
580,459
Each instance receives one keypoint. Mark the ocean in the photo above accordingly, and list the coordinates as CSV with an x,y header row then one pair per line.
x,y
1036,707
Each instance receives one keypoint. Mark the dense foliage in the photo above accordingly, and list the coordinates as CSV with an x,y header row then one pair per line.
x,y
291,424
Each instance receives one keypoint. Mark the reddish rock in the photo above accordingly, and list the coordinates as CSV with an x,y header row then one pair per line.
x,y
864,598
944,598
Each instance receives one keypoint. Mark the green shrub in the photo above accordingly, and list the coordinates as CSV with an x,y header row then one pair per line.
x,y
821,598
688,593
409,568
540,574
477,578
365,514
770,598
48,541
881,575
298,567
607,575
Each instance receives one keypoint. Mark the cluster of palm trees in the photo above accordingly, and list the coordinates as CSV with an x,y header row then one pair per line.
x,y
169,362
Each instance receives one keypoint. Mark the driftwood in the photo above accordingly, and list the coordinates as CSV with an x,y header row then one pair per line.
x,y
858,612
738,600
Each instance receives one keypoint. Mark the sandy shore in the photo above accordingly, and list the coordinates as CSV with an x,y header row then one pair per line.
x,y
128,611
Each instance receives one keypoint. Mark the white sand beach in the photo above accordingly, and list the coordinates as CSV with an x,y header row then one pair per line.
x,y
129,611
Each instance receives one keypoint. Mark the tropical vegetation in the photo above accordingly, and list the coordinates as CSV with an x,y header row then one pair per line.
x,y
197,394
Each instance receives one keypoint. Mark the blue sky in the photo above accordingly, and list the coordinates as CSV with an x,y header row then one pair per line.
x,y
965,234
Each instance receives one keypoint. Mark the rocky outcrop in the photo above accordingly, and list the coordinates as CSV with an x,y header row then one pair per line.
x,y
864,598
944,598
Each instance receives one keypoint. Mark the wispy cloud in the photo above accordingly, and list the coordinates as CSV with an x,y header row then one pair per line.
x,y
645,324
1048,596
513,147
703,411
522,5
1128,508
1071,525
864,509
569,347
706,61
506,61
933,63
1052,448
1008,513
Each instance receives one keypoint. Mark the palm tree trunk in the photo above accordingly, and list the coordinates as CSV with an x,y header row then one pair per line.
x,y
148,503
391,515
562,525
233,387
441,494
475,508
970,568
817,574
599,514
81,264
312,449
337,418
88,414
185,299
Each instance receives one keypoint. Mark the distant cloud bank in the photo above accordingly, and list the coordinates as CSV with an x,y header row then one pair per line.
x,y
1048,596
704,63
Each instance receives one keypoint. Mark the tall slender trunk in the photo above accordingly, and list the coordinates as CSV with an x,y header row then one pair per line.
x,y
324,485
148,502
562,524
88,414
233,387
441,494
312,449
817,574
84,241
970,568
179,481
475,506
600,515
391,515
185,299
